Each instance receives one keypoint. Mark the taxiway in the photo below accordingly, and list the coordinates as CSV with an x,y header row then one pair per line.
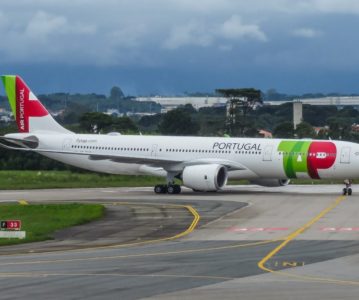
x,y
248,242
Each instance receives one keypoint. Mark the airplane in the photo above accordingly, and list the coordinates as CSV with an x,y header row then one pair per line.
x,y
201,163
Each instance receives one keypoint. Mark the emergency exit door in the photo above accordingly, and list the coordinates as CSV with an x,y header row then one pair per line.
x,y
154,150
345,155
267,154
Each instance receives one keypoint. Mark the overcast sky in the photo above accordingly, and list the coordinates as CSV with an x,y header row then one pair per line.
x,y
172,46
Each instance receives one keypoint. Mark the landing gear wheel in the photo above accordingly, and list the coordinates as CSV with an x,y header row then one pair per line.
x,y
173,189
160,189
348,191
178,189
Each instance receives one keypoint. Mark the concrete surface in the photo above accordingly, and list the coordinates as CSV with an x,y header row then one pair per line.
x,y
218,260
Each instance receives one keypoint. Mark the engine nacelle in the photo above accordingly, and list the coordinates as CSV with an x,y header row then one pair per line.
x,y
205,178
271,182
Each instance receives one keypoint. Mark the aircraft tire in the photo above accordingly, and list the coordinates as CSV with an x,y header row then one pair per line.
x,y
345,191
350,191
160,189
173,189
178,189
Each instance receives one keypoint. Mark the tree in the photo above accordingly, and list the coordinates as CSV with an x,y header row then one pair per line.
x,y
322,134
95,122
284,130
241,102
124,125
318,115
178,122
305,130
116,93
73,113
339,128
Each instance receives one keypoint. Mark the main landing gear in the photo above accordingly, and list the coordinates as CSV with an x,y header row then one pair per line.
x,y
167,189
348,187
170,188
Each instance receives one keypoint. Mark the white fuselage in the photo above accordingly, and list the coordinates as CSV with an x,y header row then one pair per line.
x,y
262,158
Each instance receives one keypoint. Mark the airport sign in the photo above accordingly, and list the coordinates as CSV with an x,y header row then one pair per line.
x,y
10,225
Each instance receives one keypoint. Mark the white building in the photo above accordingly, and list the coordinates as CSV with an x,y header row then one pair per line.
x,y
169,103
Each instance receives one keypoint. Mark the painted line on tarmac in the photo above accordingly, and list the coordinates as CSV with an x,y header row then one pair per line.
x,y
49,274
98,258
190,228
23,202
291,237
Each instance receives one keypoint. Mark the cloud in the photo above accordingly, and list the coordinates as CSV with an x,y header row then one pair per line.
x,y
193,33
335,6
43,24
306,33
234,29
205,34
142,32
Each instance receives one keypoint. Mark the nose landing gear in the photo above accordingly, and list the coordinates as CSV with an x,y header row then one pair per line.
x,y
348,187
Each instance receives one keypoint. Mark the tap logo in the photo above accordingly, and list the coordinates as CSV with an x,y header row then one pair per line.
x,y
27,105
306,157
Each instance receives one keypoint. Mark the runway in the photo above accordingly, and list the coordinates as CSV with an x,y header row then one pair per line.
x,y
247,242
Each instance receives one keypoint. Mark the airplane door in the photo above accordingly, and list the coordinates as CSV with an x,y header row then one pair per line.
x,y
267,154
345,155
154,150
66,145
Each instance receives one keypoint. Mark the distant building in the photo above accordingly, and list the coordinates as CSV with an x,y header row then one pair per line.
x,y
5,116
355,127
114,112
265,133
334,101
297,113
5,119
319,129
169,103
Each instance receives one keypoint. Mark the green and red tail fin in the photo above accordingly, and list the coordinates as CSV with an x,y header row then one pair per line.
x,y
29,113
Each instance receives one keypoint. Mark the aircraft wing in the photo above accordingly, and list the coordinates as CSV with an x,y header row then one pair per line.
x,y
25,145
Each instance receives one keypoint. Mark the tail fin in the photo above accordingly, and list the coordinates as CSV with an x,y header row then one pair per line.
x,y
29,113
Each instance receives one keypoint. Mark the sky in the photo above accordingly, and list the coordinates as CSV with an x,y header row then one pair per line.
x,y
168,47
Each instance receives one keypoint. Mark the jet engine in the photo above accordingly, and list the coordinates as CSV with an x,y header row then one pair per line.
x,y
271,182
211,177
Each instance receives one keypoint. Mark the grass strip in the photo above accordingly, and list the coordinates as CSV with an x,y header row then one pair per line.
x,y
41,220
17,180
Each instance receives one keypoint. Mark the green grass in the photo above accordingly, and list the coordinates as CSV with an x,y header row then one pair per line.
x,y
41,220
16,180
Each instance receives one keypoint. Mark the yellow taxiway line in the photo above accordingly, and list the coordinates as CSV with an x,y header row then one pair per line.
x,y
291,237
190,228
